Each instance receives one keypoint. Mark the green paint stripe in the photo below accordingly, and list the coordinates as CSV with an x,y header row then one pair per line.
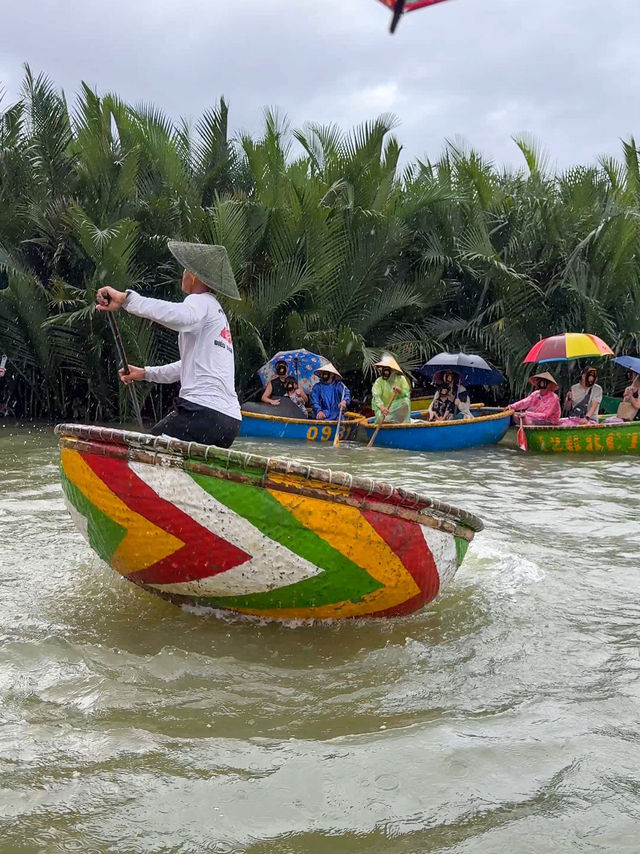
x,y
342,579
461,548
104,534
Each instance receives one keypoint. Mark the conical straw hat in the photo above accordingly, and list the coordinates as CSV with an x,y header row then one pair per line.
x,y
208,263
328,369
387,361
545,376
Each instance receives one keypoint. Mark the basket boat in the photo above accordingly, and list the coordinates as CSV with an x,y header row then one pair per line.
x,y
485,428
263,426
599,438
270,538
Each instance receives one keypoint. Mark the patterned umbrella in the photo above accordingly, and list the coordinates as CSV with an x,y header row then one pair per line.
x,y
300,363
567,346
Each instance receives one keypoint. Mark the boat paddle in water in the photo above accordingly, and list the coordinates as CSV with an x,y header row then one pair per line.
x,y
203,526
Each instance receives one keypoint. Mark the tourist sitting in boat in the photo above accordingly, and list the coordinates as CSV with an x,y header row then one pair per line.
x,y
542,406
629,408
274,389
391,392
207,410
297,395
451,399
584,398
329,395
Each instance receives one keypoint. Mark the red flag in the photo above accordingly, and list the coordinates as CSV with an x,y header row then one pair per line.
x,y
522,437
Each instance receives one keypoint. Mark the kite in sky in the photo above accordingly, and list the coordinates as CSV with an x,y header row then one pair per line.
x,y
400,6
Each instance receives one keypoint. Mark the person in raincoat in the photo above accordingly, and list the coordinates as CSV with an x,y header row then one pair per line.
x,y
542,406
330,394
391,379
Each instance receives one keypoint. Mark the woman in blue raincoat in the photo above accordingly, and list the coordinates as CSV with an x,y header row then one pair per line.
x,y
329,395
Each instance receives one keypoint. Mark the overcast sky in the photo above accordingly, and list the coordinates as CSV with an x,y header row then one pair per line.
x,y
566,71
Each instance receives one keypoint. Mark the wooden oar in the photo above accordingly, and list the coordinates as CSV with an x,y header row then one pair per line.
x,y
336,438
521,436
124,363
375,432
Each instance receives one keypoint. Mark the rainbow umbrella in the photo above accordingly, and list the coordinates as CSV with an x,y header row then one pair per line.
x,y
568,346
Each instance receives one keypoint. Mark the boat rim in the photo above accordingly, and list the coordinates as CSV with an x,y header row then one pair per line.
x,y
602,425
352,417
372,489
454,422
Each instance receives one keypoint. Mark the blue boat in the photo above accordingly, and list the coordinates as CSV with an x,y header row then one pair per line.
x,y
486,427
259,426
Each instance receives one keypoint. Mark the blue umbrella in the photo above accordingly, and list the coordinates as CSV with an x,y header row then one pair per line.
x,y
301,364
631,362
473,370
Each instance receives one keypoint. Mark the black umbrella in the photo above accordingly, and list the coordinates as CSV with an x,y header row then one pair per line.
x,y
473,370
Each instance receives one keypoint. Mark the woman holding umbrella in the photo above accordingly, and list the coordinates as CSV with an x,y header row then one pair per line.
x,y
629,409
451,400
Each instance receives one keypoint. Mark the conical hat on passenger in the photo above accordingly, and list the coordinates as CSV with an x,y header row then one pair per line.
x,y
328,369
545,376
208,263
387,361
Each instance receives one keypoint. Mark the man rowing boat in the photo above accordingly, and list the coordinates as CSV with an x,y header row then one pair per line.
x,y
207,409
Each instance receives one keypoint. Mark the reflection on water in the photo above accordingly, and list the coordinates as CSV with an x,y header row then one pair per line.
x,y
502,718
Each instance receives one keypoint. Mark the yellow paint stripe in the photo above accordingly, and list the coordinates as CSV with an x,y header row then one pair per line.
x,y
348,531
296,480
144,543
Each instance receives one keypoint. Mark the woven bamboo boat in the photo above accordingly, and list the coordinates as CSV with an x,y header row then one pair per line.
x,y
487,427
599,438
264,426
204,526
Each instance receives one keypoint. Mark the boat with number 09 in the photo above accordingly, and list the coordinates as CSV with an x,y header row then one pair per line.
x,y
261,426
274,539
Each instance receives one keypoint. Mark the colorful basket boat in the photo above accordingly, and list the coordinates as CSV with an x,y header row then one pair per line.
x,y
485,428
259,426
600,438
226,530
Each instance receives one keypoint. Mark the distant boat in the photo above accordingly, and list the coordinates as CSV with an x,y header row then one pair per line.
x,y
261,422
486,427
199,525
602,438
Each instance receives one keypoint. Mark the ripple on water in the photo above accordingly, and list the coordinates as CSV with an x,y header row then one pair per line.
x,y
504,716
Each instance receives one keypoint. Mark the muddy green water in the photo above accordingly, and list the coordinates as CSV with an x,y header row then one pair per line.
x,y
504,718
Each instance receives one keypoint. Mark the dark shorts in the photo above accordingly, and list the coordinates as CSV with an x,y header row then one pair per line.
x,y
194,423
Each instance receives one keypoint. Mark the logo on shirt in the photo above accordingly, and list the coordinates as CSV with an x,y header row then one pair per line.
x,y
226,334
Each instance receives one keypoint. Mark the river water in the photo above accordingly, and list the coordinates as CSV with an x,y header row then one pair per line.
x,y
503,718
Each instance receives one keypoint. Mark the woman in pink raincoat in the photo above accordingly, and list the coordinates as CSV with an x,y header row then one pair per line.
x,y
542,406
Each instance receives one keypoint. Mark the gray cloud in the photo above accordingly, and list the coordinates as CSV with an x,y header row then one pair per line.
x,y
566,71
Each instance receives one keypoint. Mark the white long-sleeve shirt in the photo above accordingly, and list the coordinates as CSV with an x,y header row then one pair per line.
x,y
206,367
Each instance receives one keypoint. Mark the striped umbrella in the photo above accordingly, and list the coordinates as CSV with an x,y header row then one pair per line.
x,y
568,346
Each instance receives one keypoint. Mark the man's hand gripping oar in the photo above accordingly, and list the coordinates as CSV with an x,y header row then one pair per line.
x,y
110,300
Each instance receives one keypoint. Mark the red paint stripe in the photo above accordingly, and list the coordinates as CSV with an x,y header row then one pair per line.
x,y
203,554
406,540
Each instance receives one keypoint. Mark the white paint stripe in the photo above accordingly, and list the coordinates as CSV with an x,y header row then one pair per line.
x,y
81,522
443,549
272,564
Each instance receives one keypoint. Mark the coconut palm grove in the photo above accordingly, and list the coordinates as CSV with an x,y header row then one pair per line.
x,y
338,244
